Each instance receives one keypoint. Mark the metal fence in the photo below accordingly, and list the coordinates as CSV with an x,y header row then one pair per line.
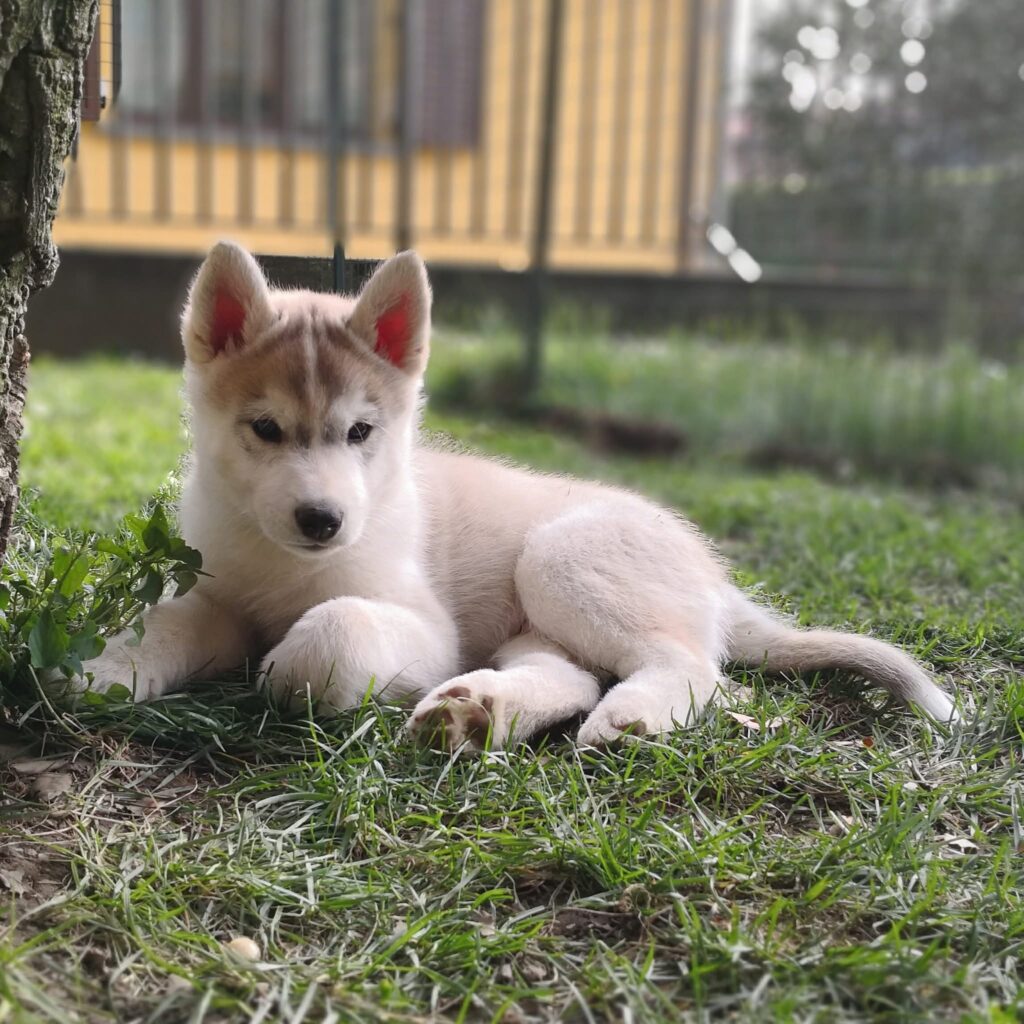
x,y
493,131
520,134
524,135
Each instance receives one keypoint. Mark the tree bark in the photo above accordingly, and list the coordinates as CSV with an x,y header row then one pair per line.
x,y
43,45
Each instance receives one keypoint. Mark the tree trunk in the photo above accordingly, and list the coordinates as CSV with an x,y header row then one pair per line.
x,y
43,44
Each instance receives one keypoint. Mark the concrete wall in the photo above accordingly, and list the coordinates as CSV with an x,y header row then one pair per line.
x,y
130,302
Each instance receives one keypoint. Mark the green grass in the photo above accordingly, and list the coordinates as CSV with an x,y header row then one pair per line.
x,y
849,410
99,440
852,864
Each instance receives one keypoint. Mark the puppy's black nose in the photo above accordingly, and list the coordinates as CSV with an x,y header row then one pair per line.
x,y
318,523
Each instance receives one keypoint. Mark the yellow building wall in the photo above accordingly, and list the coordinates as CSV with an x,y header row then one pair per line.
x,y
618,160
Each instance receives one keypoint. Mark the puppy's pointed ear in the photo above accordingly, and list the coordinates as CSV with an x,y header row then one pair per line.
x,y
228,301
392,313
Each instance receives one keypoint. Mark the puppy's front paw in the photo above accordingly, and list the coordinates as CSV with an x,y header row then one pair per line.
x,y
305,665
294,672
467,708
114,667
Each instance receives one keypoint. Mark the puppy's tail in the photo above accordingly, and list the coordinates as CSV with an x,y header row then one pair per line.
x,y
757,639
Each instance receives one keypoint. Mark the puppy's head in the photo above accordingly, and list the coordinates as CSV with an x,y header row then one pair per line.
x,y
304,405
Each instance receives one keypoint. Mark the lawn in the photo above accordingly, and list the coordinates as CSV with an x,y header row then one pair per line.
x,y
948,416
824,856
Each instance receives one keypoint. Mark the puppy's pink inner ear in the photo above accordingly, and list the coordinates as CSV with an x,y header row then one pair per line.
x,y
394,331
228,321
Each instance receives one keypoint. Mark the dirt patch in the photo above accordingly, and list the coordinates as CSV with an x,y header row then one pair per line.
x,y
31,872
608,433
578,923
43,800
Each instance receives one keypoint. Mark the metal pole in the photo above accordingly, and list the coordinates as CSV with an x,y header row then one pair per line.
x,y
204,29
249,30
518,120
336,127
723,73
115,42
688,133
538,272
161,30
403,148
118,142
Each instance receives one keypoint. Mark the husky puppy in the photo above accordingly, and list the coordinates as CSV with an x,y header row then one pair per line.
x,y
345,551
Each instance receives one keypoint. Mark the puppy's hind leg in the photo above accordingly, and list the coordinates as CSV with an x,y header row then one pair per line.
x,y
627,587
533,687
670,685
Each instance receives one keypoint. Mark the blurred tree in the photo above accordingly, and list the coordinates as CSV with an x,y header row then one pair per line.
x,y
43,45
887,135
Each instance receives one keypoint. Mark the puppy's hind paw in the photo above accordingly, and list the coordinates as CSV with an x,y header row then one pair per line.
x,y
603,731
459,712
626,712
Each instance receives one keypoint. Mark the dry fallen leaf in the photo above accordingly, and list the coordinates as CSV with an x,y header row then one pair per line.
x,y
841,823
531,970
959,843
52,785
14,880
752,724
38,765
486,925
145,805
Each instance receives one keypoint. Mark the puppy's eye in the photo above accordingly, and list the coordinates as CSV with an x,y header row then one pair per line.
x,y
267,429
359,432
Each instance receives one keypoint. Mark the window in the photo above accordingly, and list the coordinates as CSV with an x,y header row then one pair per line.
x,y
261,66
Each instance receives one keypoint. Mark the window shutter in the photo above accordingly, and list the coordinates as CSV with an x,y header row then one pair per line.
x,y
445,53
